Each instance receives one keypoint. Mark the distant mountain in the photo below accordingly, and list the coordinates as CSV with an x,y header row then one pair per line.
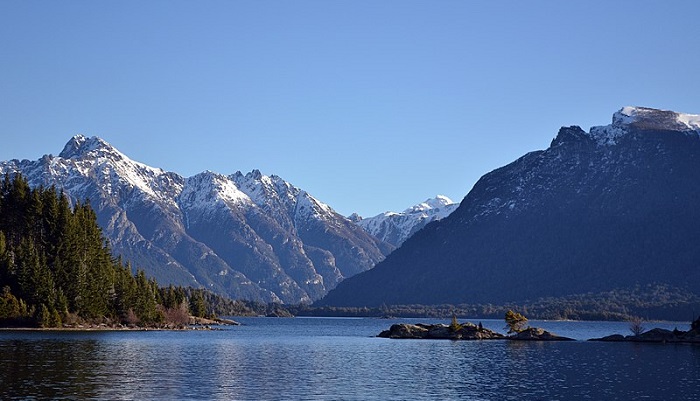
x,y
249,236
612,208
396,227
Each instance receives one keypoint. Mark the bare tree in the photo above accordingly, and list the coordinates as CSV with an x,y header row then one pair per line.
x,y
636,326
178,316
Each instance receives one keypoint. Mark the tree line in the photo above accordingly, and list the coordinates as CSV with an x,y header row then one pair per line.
x,y
56,269
651,302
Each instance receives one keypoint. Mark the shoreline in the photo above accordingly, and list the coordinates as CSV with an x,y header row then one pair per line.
x,y
195,324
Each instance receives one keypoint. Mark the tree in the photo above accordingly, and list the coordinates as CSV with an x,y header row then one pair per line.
x,y
145,302
515,322
9,305
178,316
197,304
455,326
636,326
56,266
43,317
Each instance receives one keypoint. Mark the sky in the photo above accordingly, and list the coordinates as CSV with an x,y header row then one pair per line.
x,y
369,106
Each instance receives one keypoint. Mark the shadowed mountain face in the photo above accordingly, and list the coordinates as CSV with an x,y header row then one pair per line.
x,y
246,236
599,210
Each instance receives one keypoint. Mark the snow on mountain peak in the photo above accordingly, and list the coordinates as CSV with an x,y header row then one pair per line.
x,y
207,188
80,145
432,205
395,228
111,169
644,118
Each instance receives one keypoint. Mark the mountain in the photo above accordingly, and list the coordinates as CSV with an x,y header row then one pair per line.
x,y
612,208
395,228
249,236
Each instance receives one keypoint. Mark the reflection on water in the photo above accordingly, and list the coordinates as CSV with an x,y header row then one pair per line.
x,y
48,369
334,359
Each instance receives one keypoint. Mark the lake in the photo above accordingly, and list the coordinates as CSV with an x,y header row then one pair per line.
x,y
340,359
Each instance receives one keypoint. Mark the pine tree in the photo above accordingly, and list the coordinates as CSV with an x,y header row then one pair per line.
x,y
55,264
197,305
9,305
43,317
145,307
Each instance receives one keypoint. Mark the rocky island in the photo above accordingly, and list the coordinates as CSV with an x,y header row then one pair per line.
x,y
470,331
658,335
467,331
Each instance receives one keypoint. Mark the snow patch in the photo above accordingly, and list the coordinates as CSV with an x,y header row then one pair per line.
x,y
205,189
645,118
396,227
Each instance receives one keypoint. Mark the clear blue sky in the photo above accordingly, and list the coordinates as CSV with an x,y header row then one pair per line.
x,y
368,105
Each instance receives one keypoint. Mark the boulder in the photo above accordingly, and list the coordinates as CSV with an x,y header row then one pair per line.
x,y
472,332
537,334
610,338
403,330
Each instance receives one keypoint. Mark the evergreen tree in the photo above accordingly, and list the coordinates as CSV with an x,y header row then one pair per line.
x,y
197,305
145,306
9,305
43,317
55,265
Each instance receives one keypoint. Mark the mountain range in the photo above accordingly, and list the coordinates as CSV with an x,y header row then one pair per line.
x,y
611,208
247,236
397,227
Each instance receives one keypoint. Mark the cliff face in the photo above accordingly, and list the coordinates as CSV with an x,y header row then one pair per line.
x,y
598,210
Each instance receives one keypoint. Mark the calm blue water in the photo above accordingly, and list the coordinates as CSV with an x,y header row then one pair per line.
x,y
339,359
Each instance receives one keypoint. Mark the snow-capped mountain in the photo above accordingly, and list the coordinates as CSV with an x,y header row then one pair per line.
x,y
247,236
396,227
611,208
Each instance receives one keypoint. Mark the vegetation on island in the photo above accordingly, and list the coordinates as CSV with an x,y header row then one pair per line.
x,y
515,322
56,270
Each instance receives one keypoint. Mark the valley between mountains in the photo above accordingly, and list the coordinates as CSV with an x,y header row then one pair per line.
x,y
246,236
603,211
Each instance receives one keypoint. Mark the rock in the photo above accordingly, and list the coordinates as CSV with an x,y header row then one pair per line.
x,y
655,336
537,334
692,336
404,330
467,331
472,332
611,338
440,331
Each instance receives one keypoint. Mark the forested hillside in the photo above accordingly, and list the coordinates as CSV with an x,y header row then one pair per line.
x,y
56,268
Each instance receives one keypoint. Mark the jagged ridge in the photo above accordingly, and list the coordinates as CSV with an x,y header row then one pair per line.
x,y
249,236
397,227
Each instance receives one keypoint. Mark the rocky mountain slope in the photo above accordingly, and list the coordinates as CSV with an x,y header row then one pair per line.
x,y
396,227
249,236
611,208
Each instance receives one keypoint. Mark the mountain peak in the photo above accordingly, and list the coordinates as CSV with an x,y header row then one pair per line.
x,y
437,202
649,118
612,209
645,119
80,145
395,228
